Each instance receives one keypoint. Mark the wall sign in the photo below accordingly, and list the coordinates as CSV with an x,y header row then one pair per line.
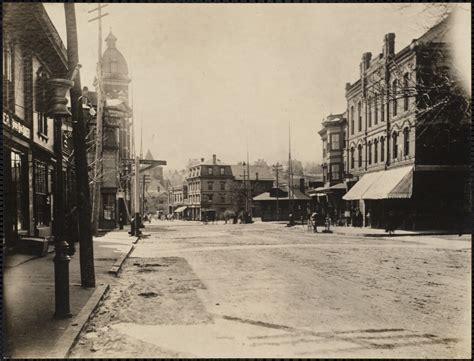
x,y
15,125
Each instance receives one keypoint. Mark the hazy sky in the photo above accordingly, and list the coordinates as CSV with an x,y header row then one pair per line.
x,y
207,77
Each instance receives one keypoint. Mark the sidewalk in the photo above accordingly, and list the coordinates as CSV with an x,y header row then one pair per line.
x,y
31,331
377,232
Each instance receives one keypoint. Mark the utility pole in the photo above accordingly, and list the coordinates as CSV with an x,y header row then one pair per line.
x,y
137,196
98,145
277,167
80,155
290,174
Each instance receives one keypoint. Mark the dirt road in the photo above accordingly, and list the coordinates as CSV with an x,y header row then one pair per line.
x,y
263,290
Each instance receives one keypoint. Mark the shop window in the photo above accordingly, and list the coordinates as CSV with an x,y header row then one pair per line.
x,y
42,204
406,142
108,204
18,184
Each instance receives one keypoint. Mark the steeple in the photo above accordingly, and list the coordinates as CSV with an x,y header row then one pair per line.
x,y
110,40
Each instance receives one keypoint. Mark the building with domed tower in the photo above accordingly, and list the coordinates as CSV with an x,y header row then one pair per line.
x,y
115,186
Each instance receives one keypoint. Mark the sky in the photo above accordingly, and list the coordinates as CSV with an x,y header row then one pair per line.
x,y
212,78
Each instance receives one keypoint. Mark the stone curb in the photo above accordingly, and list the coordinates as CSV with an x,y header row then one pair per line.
x,y
117,267
71,334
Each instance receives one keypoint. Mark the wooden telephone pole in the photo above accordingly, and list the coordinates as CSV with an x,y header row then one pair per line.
x,y
79,139
277,168
98,146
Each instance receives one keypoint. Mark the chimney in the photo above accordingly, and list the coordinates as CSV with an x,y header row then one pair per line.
x,y
389,45
256,176
366,57
214,159
302,185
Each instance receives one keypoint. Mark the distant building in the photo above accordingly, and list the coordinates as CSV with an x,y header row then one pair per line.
x,y
209,189
407,139
329,195
258,179
156,193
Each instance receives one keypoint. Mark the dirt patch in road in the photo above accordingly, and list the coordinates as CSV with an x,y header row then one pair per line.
x,y
152,291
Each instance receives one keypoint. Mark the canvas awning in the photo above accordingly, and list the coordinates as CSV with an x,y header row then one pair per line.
x,y
180,209
338,186
386,184
394,183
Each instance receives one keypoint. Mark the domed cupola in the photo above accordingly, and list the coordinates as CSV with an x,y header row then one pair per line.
x,y
114,66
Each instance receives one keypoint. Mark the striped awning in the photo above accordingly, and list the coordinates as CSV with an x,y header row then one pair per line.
x,y
180,209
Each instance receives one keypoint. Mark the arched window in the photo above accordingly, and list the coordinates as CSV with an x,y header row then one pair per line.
x,y
406,142
394,145
359,111
369,145
394,97
376,151
359,155
382,149
406,84
352,158
352,119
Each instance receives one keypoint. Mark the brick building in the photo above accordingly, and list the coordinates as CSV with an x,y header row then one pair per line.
x,y
407,144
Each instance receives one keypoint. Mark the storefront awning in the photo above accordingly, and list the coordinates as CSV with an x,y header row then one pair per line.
x,y
338,186
386,184
394,183
180,209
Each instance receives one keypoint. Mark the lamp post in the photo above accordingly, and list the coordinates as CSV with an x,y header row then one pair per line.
x,y
57,109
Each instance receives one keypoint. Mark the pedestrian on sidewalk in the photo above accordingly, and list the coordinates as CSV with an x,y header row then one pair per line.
x,y
390,223
314,219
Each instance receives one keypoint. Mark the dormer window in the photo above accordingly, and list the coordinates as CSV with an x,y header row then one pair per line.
x,y
209,170
222,171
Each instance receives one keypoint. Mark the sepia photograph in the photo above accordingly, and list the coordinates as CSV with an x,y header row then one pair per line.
x,y
236,180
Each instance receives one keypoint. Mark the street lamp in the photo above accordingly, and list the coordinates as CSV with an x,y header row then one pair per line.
x,y
57,108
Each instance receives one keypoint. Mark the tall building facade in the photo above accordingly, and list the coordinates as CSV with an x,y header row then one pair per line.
x,y
32,53
407,145
116,147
